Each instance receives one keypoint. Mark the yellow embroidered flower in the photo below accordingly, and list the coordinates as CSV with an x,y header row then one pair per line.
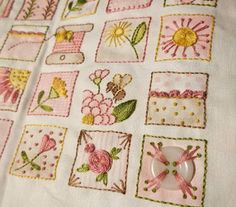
x,y
117,33
185,37
88,119
19,78
58,88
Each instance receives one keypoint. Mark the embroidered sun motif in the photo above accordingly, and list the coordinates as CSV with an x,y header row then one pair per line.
x,y
117,33
12,84
185,37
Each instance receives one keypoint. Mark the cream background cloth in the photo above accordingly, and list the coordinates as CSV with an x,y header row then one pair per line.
x,y
221,114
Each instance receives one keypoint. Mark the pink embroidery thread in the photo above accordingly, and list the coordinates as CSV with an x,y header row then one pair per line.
x,y
6,7
117,6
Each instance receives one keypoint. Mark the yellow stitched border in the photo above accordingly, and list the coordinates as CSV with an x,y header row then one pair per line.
x,y
18,146
86,14
172,59
145,136
189,4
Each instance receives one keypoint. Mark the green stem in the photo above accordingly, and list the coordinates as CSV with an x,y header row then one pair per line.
x,y
99,88
136,53
19,168
40,104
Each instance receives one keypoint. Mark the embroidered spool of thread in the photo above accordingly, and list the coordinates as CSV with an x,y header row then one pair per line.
x,y
68,41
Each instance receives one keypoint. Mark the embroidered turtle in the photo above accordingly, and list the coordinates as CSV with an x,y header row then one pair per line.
x,y
99,162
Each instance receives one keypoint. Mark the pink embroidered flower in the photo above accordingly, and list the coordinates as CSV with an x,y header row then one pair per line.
x,y
100,161
97,109
98,76
47,144
89,148
12,83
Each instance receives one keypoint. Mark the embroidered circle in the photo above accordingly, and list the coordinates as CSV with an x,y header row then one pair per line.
x,y
185,37
186,169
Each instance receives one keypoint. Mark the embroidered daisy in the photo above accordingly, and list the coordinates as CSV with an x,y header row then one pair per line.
x,y
117,33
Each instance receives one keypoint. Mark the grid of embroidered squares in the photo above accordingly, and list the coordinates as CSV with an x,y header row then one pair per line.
x,y
172,170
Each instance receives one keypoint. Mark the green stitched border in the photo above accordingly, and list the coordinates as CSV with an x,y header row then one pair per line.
x,y
189,4
145,136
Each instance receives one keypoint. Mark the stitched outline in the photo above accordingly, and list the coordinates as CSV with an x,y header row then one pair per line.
x,y
76,155
35,19
70,101
47,27
20,96
145,48
145,136
87,14
179,125
8,135
172,59
8,9
127,9
18,146
189,4
71,52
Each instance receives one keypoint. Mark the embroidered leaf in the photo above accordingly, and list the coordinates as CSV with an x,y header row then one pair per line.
x,y
29,11
40,96
24,156
139,33
49,9
102,177
83,168
81,2
124,110
70,5
105,179
99,178
46,108
114,152
35,166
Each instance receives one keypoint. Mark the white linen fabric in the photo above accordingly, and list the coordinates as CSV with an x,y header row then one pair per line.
x,y
220,129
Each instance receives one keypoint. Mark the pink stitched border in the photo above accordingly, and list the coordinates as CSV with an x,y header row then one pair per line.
x,y
7,9
35,89
127,8
9,132
145,48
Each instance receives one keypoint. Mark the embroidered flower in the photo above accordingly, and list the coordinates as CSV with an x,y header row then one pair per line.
x,y
98,76
117,33
58,88
47,144
97,109
100,161
12,83
89,148
186,36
